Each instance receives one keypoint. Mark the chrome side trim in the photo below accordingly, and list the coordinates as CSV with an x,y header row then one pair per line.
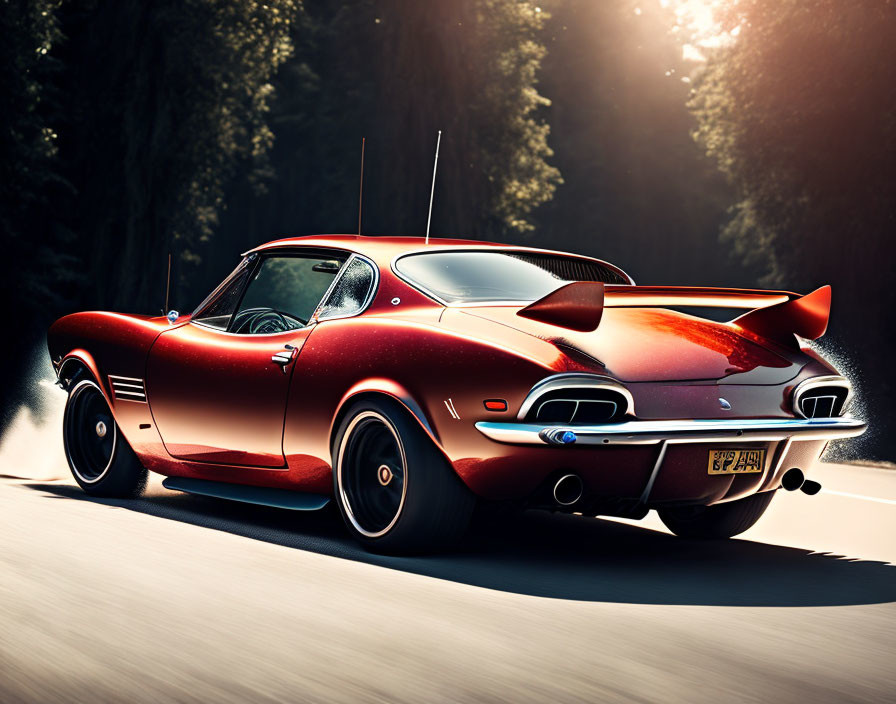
x,y
247,335
650,432
449,404
820,381
575,381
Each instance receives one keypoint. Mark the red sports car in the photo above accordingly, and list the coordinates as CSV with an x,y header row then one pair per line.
x,y
407,380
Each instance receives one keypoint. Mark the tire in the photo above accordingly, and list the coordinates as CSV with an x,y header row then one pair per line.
x,y
396,492
718,521
100,458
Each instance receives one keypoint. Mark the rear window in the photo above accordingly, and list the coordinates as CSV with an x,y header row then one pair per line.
x,y
477,276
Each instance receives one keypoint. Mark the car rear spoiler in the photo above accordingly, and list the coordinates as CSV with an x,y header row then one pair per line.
x,y
776,315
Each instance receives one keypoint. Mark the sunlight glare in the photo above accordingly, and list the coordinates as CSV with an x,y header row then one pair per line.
x,y
698,23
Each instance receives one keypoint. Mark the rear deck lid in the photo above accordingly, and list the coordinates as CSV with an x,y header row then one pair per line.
x,y
655,344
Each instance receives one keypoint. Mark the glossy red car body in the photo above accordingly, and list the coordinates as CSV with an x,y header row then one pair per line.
x,y
216,408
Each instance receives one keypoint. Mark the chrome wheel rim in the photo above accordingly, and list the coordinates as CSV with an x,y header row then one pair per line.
x,y
89,432
371,474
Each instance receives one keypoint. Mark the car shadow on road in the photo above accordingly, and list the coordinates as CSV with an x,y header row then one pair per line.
x,y
558,556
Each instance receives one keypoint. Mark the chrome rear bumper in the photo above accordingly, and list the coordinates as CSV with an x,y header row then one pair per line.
x,y
650,432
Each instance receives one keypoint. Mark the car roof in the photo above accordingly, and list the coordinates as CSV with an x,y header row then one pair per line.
x,y
383,250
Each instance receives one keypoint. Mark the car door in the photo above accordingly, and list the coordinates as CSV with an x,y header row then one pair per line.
x,y
218,386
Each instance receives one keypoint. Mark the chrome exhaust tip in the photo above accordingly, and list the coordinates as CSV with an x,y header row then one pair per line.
x,y
568,489
811,488
793,479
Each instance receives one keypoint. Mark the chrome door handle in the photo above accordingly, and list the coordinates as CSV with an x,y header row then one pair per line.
x,y
285,357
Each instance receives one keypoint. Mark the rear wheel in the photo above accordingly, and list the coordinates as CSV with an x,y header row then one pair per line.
x,y
100,458
395,490
717,521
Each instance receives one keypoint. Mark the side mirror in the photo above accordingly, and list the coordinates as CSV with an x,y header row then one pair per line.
x,y
172,316
328,267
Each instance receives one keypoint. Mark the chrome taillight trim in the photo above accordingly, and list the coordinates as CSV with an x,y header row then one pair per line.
x,y
819,382
575,381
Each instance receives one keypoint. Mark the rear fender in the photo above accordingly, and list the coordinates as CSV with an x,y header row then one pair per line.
x,y
383,387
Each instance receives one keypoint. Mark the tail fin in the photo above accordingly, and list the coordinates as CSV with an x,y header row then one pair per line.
x,y
777,315
577,306
806,316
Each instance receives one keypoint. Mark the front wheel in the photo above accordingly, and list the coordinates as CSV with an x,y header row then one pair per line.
x,y
395,490
100,458
717,521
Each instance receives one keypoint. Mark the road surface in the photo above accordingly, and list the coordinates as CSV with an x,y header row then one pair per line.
x,y
178,598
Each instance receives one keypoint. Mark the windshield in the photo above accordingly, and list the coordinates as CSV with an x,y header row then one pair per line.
x,y
476,276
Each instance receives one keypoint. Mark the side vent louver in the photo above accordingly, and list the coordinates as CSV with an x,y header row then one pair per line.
x,y
126,388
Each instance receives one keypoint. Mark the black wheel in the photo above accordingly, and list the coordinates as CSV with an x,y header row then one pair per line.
x,y
395,490
100,458
717,521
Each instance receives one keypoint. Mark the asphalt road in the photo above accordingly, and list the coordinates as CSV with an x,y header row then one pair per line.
x,y
177,598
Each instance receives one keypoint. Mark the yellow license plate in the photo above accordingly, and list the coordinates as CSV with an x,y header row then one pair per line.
x,y
736,461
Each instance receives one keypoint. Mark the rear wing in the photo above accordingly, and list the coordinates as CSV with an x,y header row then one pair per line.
x,y
698,296
775,315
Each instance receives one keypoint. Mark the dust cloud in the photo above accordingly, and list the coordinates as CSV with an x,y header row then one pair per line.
x,y
31,444
850,449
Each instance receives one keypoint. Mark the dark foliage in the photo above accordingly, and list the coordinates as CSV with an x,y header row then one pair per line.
x,y
637,190
800,112
133,129
35,275
396,72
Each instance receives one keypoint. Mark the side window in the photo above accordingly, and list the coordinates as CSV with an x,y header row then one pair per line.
x,y
217,309
283,294
350,292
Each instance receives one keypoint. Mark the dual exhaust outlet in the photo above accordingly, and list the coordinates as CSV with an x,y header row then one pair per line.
x,y
794,479
569,488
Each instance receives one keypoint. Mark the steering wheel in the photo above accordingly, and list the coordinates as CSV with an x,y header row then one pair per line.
x,y
260,321
268,321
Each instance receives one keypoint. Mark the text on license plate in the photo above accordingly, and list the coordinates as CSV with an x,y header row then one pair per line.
x,y
736,461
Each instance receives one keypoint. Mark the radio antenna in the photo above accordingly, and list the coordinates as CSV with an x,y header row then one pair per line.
x,y
361,189
433,189
168,284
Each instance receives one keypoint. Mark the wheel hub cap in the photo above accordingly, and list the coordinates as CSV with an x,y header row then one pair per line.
x,y
384,474
100,429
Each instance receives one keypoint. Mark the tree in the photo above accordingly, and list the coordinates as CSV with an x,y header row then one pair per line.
x,y
800,112
395,72
121,124
33,274
164,101
637,190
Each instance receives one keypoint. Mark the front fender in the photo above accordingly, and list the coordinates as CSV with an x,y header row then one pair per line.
x,y
65,369
111,344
